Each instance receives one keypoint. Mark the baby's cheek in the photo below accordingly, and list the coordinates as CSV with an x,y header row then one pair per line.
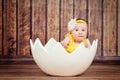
x,y
85,34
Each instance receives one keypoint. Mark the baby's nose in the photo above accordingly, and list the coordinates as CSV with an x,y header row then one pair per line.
x,y
80,32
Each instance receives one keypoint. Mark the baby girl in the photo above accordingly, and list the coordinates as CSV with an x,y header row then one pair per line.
x,y
77,33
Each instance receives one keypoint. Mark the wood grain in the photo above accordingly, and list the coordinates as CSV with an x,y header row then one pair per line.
x,y
95,22
21,20
32,72
0,27
66,15
80,9
39,20
109,23
10,28
23,27
53,19
118,28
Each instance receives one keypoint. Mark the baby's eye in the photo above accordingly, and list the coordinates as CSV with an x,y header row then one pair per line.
x,y
76,29
83,29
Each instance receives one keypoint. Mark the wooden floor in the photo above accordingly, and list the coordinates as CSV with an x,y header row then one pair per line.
x,y
25,71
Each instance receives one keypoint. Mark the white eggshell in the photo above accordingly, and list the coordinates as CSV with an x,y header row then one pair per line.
x,y
53,59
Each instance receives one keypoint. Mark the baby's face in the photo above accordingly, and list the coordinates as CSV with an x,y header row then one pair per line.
x,y
79,33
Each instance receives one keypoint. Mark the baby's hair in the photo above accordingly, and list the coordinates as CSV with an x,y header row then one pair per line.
x,y
79,20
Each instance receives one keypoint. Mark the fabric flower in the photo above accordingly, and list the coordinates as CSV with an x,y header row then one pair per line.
x,y
71,24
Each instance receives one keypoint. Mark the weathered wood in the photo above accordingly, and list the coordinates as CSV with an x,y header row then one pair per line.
x,y
53,19
118,28
95,22
21,20
9,28
80,9
60,78
32,72
0,27
39,20
109,25
23,27
66,14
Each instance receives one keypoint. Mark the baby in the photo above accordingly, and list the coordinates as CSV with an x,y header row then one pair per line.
x,y
77,33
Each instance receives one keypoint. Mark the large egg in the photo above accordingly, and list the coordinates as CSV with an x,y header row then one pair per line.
x,y
53,59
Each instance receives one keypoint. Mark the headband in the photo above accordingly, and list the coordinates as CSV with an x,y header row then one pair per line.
x,y
72,23
81,21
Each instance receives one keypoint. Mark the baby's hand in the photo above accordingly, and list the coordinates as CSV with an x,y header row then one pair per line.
x,y
65,42
86,44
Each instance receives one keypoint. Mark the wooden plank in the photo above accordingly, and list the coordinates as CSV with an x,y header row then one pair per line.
x,y
118,27
95,22
80,9
66,15
9,28
109,31
0,27
53,19
60,78
32,72
39,20
23,27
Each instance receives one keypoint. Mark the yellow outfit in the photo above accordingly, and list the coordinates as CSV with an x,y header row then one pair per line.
x,y
71,45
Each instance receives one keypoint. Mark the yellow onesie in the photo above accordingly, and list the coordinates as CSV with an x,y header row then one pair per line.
x,y
71,45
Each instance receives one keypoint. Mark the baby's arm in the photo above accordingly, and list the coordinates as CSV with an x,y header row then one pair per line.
x,y
86,44
65,42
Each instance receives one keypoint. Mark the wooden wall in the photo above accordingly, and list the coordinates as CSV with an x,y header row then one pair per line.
x,y
21,20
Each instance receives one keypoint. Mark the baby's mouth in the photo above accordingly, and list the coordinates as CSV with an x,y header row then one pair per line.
x,y
80,36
